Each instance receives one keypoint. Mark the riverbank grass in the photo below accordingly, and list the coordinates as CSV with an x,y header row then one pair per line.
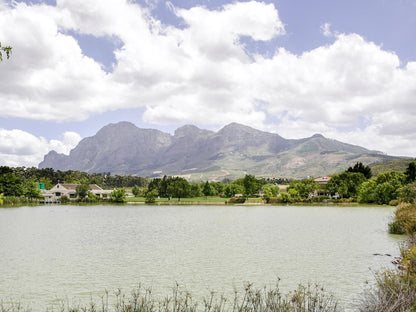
x,y
310,298
203,200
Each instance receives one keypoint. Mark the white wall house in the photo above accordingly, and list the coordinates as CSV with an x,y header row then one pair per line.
x,y
69,191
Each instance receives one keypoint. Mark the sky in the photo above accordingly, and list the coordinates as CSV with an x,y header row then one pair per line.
x,y
344,69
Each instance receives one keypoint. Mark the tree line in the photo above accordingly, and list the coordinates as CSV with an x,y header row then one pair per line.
x,y
357,184
21,184
14,179
354,184
178,187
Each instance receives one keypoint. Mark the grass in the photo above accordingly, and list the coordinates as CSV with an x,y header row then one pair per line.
x,y
208,199
404,219
197,200
395,289
310,298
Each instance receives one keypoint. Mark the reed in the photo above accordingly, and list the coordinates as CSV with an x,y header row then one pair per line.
x,y
309,298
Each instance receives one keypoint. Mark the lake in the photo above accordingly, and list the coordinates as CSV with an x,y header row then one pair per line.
x,y
49,253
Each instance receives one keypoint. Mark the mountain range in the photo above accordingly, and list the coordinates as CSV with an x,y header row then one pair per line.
x,y
198,154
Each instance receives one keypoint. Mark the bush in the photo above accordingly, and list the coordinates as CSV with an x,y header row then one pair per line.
x,y
151,196
285,197
118,195
15,200
407,193
395,290
236,200
394,202
92,198
310,298
64,199
404,219
273,200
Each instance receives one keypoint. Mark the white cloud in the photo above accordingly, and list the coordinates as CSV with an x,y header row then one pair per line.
x,y
202,74
48,77
326,30
20,148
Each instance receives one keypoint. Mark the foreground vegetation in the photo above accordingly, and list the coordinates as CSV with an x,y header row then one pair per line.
x,y
395,289
311,298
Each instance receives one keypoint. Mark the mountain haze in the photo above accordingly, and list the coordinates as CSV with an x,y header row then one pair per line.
x,y
233,151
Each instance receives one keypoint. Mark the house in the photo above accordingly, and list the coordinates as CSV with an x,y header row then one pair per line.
x,y
69,191
323,180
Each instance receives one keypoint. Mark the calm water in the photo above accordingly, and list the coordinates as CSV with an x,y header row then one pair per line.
x,y
67,252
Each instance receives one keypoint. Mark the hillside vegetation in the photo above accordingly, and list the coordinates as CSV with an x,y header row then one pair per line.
x,y
399,165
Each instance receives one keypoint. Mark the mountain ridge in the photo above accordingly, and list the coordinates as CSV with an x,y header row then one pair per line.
x,y
199,154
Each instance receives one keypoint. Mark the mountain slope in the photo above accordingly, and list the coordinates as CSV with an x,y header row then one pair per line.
x,y
234,150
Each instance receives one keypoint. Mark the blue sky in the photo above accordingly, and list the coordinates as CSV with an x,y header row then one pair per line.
x,y
346,69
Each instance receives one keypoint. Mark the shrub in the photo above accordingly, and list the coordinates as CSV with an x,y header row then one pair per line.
x,y
236,200
310,298
404,219
64,199
394,202
92,198
151,196
285,197
395,290
15,200
273,200
118,195
407,193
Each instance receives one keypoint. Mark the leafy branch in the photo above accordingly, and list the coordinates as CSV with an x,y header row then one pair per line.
x,y
7,50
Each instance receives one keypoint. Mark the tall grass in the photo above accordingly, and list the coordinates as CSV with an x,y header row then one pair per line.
x,y
404,219
395,290
310,298
14,200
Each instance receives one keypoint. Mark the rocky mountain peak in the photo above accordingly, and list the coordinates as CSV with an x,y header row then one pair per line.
x,y
123,148
189,130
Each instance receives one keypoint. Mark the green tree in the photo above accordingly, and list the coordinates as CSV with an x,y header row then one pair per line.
x,y
47,182
232,189
31,191
270,190
304,187
1,199
178,187
195,190
251,185
135,190
359,167
218,188
382,189
366,192
407,193
92,197
118,195
410,172
385,193
150,196
292,192
10,185
208,190
7,50
82,190
346,184
285,197
396,178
